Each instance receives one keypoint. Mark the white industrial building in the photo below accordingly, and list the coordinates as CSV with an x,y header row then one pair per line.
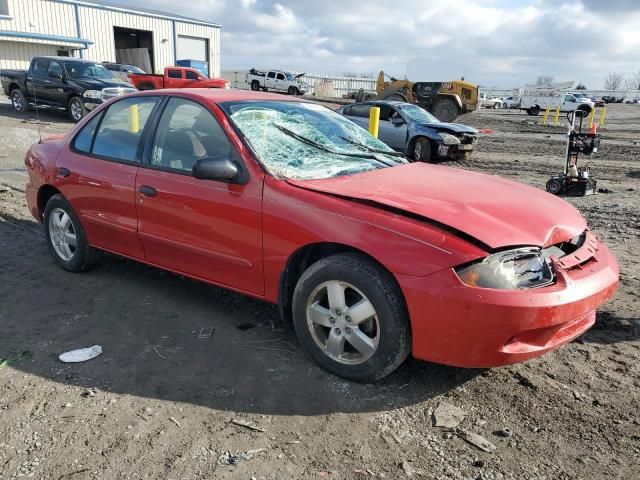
x,y
104,31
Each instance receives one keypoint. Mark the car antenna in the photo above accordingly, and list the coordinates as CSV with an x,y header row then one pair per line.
x,y
35,101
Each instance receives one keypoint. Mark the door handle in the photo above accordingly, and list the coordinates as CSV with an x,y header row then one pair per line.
x,y
63,172
148,191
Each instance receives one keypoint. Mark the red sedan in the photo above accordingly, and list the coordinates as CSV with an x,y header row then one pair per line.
x,y
371,256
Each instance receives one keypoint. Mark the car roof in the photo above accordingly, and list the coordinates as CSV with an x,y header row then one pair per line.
x,y
379,102
66,59
218,95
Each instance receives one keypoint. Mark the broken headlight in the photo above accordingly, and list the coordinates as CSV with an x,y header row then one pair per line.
x,y
509,270
449,139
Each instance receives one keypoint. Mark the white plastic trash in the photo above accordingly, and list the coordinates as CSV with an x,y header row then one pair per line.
x,y
81,355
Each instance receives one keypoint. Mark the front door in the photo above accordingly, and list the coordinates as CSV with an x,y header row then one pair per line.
x,y
390,131
97,174
203,228
54,85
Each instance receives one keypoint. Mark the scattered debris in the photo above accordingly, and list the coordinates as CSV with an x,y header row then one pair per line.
x,y
486,131
206,332
604,190
155,349
242,423
5,362
447,415
175,421
478,462
505,432
89,393
525,381
81,355
245,326
406,468
476,440
229,458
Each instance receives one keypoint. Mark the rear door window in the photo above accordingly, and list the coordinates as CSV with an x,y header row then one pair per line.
x,y
120,131
40,68
360,111
271,75
174,74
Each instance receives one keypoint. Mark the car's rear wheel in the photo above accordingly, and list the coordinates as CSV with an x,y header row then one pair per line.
x,y
421,150
77,111
18,100
255,85
66,238
350,317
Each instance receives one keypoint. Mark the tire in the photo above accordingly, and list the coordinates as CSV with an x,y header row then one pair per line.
x,y
292,90
555,186
78,258
255,85
445,110
383,332
496,106
77,111
19,101
535,110
585,109
421,150
504,106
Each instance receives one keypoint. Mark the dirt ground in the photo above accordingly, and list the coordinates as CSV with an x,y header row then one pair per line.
x,y
161,402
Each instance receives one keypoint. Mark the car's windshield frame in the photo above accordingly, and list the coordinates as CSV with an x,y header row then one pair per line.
x,y
84,66
360,148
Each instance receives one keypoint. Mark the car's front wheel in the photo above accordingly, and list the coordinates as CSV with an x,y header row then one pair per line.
x,y
421,150
350,316
66,238
77,110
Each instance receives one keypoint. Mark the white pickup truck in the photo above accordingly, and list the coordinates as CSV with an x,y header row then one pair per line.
x,y
277,80
535,100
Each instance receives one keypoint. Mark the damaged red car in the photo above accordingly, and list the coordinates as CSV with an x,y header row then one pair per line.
x,y
372,257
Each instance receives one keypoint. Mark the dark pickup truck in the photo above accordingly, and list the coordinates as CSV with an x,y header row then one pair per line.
x,y
71,84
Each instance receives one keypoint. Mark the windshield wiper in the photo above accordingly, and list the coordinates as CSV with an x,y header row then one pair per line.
x,y
373,150
319,146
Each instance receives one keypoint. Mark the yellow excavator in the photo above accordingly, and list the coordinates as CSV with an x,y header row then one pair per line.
x,y
445,100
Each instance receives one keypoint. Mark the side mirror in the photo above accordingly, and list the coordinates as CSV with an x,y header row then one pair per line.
x,y
57,76
397,120
215,169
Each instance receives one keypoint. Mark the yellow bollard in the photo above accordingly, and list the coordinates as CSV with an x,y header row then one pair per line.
x,y
374,121
546,114
557,116
604,112
591,117
134,119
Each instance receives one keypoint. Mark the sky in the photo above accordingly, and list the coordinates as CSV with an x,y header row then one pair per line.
x,y
495,43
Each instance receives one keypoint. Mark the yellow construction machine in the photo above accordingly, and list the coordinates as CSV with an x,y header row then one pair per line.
x,y
445,100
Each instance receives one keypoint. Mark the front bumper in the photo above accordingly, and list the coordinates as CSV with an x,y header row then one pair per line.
x,y
455,151
458,325
91,103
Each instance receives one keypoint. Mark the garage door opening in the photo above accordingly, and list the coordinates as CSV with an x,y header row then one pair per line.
x,y
193,52
134,47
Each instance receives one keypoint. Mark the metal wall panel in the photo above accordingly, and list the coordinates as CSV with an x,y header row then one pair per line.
x,y
17,55
40,16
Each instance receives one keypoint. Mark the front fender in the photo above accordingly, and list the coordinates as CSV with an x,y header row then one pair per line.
x,y
416,130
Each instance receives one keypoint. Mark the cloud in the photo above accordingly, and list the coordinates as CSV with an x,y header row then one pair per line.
x,y
492,42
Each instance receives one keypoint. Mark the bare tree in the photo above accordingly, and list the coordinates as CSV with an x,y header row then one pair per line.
x,y
581,86
613,81
543,81
632,82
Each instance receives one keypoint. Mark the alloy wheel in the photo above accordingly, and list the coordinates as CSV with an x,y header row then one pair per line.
x,y
343,322
62,234
17,101
76,109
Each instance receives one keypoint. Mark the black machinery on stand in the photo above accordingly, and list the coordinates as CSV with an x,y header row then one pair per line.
x,y
575,180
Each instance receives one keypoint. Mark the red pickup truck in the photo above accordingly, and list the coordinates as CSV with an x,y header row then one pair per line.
x,y
176,77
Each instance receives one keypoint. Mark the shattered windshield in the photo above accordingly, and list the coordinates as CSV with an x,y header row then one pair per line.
x,y
417,114
304,141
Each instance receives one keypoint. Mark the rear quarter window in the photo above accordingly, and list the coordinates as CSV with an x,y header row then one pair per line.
x,y
84,139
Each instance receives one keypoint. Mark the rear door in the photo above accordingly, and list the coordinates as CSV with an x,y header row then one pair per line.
x,y
270,80
97,174
173,78
203,228
39,79
359,114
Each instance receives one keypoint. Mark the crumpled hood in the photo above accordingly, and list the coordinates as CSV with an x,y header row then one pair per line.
x,y
451,127
497,212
